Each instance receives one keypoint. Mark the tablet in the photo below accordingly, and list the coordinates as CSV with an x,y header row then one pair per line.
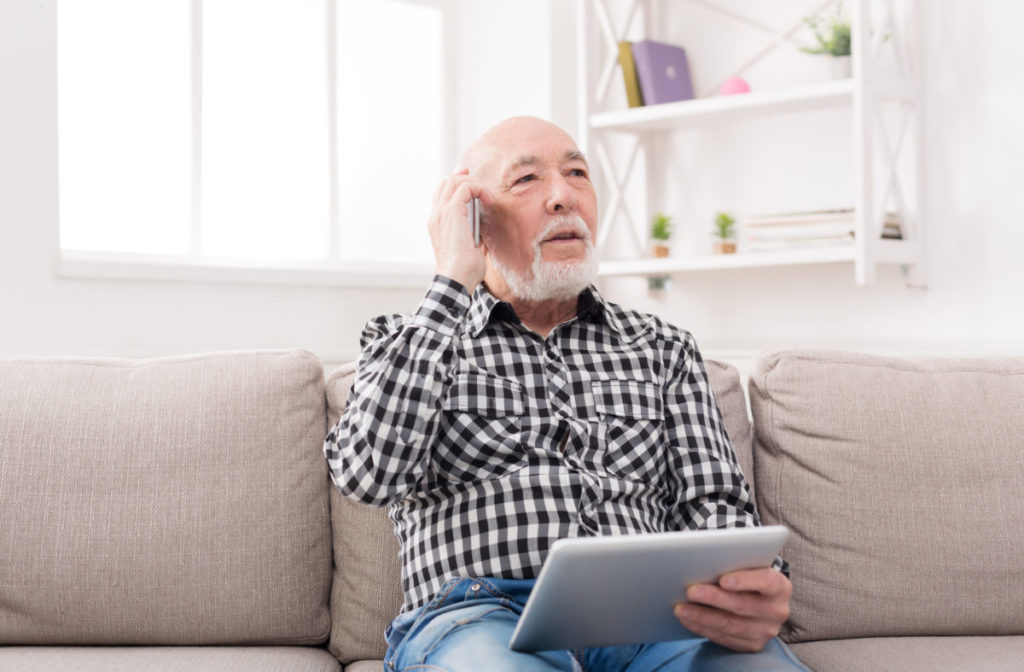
x,y
605,591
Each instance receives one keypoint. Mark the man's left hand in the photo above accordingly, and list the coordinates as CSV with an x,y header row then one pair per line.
x,y
743,612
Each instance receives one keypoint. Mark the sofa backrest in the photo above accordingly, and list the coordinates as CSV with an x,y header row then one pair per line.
x,y
366,592
164,501
901,483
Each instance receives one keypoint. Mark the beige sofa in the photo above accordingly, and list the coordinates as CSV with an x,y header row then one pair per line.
x,y
177,513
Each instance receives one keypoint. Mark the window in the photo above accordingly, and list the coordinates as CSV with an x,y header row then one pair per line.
x,y
226,131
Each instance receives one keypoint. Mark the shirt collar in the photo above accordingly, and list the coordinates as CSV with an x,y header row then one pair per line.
x,y
487,308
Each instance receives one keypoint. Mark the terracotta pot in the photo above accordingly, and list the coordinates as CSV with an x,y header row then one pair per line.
x,y
660,250
725,247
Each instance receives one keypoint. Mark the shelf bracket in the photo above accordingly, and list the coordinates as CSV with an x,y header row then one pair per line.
x,y
617,187
612,39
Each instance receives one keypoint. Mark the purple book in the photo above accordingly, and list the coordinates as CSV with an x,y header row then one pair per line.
x,y
663,72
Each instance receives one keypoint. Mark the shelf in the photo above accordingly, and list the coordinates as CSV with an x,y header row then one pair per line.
x,y
668,116
885,135
665,266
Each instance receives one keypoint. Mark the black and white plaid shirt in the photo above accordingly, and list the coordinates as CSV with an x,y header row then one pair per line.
x,y
490,442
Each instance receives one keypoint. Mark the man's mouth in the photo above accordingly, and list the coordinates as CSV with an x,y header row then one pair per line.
x,y
564,236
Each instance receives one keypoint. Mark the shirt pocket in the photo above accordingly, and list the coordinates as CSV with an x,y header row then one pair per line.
x,y
627,434
481,429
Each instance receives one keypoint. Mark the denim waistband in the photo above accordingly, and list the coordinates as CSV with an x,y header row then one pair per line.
x,y
507,592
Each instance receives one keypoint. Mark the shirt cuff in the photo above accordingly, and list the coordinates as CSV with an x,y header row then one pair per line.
x,y
781,566
444,307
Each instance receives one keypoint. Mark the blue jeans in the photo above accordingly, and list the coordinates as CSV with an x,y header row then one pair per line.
x,y
468,624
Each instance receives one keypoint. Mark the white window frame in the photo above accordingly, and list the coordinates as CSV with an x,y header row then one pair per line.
x,y
330,272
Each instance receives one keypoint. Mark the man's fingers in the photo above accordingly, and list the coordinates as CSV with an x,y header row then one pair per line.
x,y
450,228
746,611
763,581
750,605
735,632
449,185
758,593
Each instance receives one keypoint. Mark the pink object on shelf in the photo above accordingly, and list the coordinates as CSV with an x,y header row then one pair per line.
x,y
734,85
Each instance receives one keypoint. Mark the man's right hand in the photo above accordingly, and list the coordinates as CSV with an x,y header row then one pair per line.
x,y
451,231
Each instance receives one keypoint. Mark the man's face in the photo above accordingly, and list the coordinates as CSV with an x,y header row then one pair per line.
x,y
538,176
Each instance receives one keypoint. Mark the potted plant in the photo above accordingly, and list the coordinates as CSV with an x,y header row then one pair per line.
x,y
661,231
724,231
832,33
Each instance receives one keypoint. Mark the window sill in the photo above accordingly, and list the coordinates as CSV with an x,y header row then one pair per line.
x,y
135,267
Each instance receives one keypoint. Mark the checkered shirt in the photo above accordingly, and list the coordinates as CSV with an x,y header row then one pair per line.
x,y
489,442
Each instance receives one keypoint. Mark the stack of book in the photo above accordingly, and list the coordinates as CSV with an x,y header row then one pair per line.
x,y
654,72
799,230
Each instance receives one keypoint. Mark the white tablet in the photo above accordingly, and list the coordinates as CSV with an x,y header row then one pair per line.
x,y
604,591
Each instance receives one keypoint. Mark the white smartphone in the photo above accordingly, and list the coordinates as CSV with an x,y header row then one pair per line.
x,y
474,218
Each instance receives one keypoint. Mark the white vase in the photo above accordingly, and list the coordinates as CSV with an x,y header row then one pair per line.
x,y
841,66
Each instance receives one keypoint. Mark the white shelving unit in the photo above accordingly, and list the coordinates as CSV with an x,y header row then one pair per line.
x,y
876,89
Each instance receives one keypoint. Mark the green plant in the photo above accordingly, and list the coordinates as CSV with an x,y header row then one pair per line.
x,y
661,227
723,225
831,32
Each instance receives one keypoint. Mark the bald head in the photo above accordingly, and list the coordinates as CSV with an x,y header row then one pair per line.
x,y
499,145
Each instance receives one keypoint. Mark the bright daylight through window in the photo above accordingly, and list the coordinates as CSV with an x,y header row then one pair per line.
x,y
244,130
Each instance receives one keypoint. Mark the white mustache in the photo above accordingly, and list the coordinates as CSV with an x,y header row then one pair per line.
x,y
564,224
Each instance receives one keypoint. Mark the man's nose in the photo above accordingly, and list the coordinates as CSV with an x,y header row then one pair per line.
x,y
560,195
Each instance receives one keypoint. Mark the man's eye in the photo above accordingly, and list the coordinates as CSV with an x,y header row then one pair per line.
x,y
525,178
578,172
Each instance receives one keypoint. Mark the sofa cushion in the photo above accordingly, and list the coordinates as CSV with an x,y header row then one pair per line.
x,y
900,481
732,402
365,666
164,501
914,654
367,593
169,658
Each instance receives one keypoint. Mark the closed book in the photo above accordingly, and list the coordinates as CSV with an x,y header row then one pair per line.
x,y
813,223
796,232
790,219
663,72
633,94
810,243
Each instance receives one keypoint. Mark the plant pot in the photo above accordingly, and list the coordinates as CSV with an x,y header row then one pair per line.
x,y
841,66
725,247
660,250
658,283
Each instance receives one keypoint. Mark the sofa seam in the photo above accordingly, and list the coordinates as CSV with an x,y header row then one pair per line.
x,y
776,447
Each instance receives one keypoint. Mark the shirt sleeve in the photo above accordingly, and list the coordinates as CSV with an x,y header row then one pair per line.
x,y
712,490
380,447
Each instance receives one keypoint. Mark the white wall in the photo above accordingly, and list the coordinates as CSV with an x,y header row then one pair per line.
x,y
519,58
502,68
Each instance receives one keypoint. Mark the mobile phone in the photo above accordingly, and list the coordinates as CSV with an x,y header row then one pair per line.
x,y
474,217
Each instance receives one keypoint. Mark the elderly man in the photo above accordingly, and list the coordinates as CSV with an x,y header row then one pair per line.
x,y
516,406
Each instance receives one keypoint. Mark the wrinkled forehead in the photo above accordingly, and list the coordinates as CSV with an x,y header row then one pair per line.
x,y
516,143
516,163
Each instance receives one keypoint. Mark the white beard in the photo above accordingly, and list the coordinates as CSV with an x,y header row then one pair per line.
x,y
548,280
